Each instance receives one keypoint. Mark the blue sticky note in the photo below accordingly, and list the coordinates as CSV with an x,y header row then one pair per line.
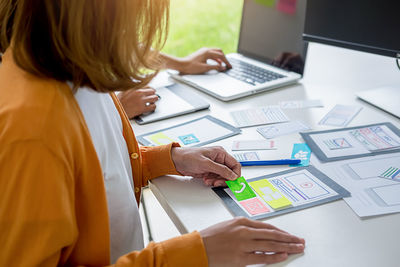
x,y
302,152
189,139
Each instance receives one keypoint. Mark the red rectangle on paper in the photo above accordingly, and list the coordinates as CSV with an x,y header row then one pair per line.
x,y
254,206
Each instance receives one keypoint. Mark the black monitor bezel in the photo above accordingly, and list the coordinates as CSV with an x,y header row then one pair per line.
x,y
351,45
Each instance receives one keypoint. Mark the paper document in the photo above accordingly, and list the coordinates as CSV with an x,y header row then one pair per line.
x,y
352,142
261,155
279,129
258,116
295,104
370,194
376,138
340,115
280,192
253,145
247,156
392,173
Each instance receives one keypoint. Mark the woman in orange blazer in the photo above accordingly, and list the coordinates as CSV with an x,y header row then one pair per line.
x,y
61,61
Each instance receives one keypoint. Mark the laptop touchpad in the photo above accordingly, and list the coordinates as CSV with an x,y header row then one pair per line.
x,y
219,83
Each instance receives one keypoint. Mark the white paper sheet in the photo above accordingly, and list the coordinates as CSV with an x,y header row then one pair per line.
x,y
356,142
371,195
253,145
376,138
299,187
279,129
340,115
389,194
258,116
297,104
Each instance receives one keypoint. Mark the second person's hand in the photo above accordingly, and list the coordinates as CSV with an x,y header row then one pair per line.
x,y
196,62
139,101
240,242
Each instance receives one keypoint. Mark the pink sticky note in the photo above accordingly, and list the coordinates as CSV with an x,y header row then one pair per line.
x,y
254,206
287,6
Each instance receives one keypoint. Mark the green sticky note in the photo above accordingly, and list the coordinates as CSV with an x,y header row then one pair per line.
x,y
268,3
241,189
270,194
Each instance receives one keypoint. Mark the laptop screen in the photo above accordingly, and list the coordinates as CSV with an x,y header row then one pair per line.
x,y
271,31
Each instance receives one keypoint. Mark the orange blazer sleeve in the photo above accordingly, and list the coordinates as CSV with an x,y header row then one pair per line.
x,y
185,250
157,161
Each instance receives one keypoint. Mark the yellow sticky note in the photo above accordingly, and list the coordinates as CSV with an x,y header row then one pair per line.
x,y
270,194
160,139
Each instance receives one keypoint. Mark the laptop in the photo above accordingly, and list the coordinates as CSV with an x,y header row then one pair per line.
x,y
271,52
183,99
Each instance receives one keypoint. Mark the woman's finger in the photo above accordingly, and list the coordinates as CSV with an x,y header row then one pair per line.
x,y
212,54
273,246
150,99
149,107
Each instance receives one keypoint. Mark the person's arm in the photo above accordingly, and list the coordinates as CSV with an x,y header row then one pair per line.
x,y
240,241
213,164
137,102
184,250
196,62
232,243
157,161
38,224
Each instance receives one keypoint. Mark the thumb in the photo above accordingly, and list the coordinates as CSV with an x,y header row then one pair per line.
x,y
220,169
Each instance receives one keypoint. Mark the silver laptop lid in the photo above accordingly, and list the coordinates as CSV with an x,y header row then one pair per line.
x,y
271,31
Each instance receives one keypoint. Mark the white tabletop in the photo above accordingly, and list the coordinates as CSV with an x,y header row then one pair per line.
x,y
335,235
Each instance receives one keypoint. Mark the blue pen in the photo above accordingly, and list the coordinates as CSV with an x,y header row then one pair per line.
x,y
270,162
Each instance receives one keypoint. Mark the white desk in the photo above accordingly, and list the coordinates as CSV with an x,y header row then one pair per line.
x,y
335,235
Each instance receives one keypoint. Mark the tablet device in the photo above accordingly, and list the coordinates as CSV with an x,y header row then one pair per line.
x,y
174,100
198,132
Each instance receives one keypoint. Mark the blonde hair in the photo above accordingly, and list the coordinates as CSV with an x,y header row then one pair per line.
x,y
104,44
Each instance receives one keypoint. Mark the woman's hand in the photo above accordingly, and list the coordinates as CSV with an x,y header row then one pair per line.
x,y
139,101
213,164
196,62
240,242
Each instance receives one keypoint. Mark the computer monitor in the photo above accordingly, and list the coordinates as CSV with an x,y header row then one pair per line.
x,y
366,25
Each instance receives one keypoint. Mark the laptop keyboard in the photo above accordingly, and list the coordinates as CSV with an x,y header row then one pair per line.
x,y
251,74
